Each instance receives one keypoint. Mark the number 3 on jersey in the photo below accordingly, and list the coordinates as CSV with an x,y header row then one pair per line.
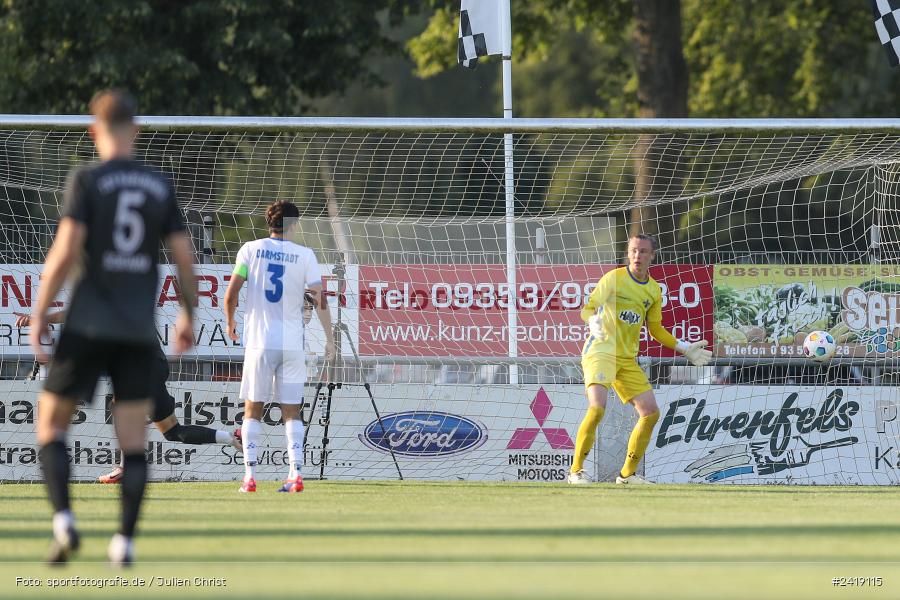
x,y
276,272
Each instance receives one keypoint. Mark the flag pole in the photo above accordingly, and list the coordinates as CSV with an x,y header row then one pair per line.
x,y
513,320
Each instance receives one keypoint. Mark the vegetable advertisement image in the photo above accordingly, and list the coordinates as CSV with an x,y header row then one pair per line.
x,y
767,310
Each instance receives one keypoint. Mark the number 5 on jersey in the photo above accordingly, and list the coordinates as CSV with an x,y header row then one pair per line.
x,y
128,229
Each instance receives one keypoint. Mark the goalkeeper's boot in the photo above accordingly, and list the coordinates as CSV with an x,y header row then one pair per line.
x,y
578,478
292,485
248,486
120,551
633,479
65,539
114,476
237,440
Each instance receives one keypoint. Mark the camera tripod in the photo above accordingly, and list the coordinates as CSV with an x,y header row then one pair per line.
x,y
332,375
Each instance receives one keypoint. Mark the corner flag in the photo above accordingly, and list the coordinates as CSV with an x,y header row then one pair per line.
x,y
480,30
485,28
887,24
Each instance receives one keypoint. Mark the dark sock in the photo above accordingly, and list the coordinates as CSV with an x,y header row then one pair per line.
x,y
133,482
191,434
55,465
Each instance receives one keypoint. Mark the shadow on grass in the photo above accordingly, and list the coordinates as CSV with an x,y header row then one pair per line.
x,y
775,560
556,533
112,495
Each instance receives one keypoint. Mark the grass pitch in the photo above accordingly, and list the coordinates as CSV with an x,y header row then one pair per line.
x,y
467,540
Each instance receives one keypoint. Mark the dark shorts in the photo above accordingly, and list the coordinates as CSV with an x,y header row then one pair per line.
x,y
78,363
163,402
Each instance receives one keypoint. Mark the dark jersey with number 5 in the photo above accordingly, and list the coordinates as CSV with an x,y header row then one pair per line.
x,y
128,209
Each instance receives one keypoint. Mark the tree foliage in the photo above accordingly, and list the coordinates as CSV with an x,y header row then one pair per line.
x,y
786,58
189,56
757,58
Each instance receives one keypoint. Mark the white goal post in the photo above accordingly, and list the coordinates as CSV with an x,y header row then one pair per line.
x,y
769,229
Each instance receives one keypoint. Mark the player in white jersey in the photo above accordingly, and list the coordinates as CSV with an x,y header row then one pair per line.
x,y
278,273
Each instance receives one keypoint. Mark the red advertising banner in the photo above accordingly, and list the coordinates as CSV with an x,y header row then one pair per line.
x,y
462,310
18,293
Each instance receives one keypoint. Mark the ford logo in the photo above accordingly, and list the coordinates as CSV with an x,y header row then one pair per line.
x,y
424,434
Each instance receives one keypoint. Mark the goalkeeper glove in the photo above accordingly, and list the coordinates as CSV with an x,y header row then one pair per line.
x,y
595,327
695,352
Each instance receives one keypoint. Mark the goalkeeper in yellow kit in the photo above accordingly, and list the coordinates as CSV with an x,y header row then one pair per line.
x,y
624,300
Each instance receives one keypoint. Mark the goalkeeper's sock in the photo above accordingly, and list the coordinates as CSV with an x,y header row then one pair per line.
x,y
250,429
638,442
294,430
587,433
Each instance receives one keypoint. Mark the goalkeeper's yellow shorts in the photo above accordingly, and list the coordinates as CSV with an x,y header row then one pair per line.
x,y
624,374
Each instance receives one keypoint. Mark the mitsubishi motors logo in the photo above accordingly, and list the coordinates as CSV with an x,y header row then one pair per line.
x,y
523,437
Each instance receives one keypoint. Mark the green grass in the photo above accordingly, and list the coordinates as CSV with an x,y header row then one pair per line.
x,y
469,540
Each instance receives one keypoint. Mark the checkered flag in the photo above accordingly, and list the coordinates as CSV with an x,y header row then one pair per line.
x,y
479,30
887,24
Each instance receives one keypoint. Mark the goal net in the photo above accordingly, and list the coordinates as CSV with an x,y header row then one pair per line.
x,y
459,325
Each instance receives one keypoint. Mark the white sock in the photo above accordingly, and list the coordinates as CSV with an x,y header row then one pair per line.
x,y
224,437
119,548
250,438
61,522
295,430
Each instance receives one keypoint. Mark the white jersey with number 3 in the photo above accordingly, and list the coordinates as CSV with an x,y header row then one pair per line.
x,y
278,272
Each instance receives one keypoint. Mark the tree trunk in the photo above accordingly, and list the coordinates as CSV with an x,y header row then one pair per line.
x,y
662,93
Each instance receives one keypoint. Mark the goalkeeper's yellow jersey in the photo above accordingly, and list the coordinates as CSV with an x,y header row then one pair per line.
x,y
625,305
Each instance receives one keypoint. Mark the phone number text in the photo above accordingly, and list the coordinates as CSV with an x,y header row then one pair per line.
x,y
380,295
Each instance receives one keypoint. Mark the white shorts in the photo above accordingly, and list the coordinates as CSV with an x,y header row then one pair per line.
x,y
273,375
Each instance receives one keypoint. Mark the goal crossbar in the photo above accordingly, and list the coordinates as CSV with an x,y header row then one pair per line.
x,y
486,125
